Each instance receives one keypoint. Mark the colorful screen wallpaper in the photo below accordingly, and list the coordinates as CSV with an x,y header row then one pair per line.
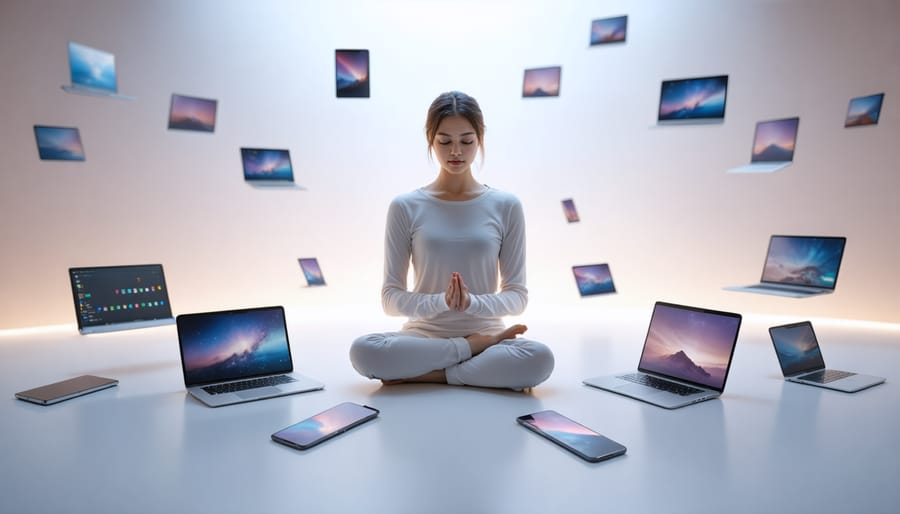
x,y
810,261
312,272
227,345
541,82
59,143
571,433
265,164
324,423
570,211
190,113
352,73
608,30
690,345
774,140
797,348
92,68
691,99
119,294
593,279
864,110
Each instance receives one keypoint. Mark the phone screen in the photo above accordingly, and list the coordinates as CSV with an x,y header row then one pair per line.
x,y
575,437
325,424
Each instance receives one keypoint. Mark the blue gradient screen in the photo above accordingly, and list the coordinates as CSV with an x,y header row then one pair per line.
x,y
325,423
577,436
812,261
797,348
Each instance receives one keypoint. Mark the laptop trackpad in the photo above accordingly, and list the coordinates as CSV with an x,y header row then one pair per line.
x,y
258,392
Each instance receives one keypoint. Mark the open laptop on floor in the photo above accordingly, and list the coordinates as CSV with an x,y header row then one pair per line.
x,y
686,357
773,146
799,266
801,360
238,356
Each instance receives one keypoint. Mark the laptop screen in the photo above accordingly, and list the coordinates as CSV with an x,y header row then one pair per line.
x,y
261,164
123,296
774,140
312,271
92,68
803,260
797,348
230,345
693,99
690,344
593,279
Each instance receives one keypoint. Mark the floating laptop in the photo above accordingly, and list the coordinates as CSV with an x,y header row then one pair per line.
x,y
801,360
238,356
267,167
93,72
686,357
773,146
111,298
799,266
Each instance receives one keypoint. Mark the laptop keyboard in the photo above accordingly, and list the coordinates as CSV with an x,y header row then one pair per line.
x,y
253,383
825,376
662,385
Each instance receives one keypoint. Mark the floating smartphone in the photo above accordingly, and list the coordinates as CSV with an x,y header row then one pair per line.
x,y
576,438
325,425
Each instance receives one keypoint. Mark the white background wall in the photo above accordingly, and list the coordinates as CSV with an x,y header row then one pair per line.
x,y
655,201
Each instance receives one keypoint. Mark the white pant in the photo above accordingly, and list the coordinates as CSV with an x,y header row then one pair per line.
x,y
514,363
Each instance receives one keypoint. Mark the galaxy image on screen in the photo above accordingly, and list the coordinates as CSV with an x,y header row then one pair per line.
x,y
593,279
267,164
690,345
810,261
797,348
686,99
229,345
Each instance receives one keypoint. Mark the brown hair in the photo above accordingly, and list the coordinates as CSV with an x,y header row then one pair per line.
x,y
454,103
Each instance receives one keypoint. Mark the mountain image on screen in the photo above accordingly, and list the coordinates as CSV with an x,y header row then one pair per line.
x,y
681,365
775,153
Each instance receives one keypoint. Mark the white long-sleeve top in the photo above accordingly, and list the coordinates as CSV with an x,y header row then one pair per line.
x,y
483,239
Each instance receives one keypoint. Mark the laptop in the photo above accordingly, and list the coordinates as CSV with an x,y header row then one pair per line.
x,y
773,146
265,167
686,357
801,360
109,298
799,266
238,356
92,72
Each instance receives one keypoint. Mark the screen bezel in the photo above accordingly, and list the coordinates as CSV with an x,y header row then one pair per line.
x,y
124,324
695,309
662,87
850,103
836,272
178,326
368,90
790,326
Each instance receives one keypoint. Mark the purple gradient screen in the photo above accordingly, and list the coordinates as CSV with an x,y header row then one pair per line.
x,y
691,345
314,428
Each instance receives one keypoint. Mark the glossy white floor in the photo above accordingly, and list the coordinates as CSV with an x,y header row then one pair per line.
x,y
144,446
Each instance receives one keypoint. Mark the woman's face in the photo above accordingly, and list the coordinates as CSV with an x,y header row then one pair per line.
x,y
455,144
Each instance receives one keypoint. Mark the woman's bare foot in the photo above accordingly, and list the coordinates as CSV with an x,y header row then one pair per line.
x,y
437,376
481,342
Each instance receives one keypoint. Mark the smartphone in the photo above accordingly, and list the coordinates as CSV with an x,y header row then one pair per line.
x,y
576,438
324,425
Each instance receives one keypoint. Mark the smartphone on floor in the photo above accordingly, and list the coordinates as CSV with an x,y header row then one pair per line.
x,y
325,425
576,438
